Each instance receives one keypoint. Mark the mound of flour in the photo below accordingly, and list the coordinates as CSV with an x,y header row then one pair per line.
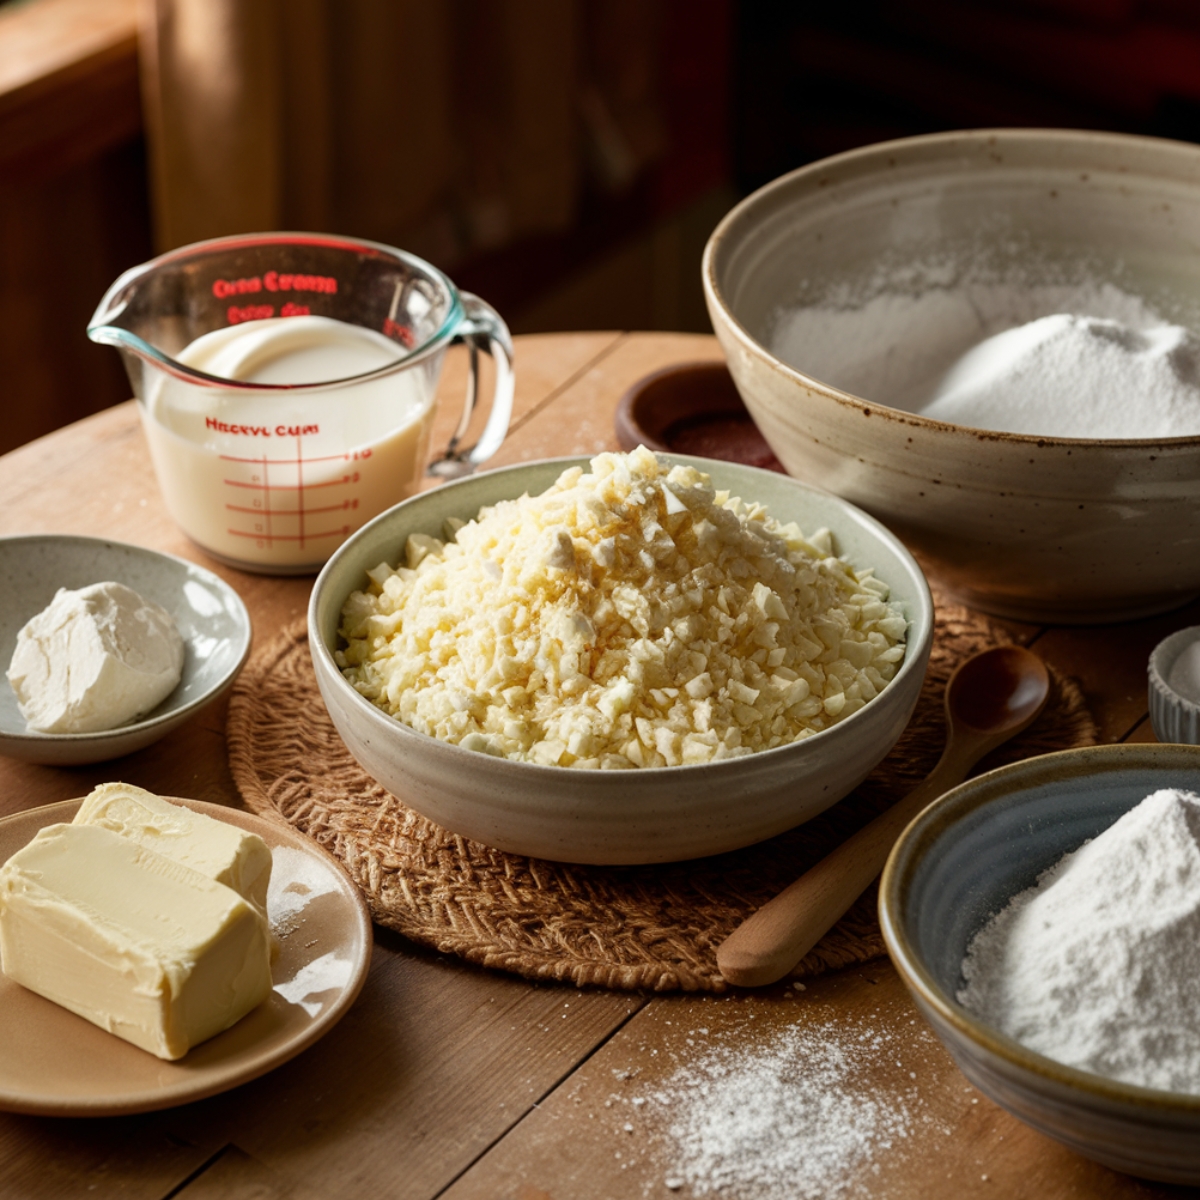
x,y
1088,360
1096,965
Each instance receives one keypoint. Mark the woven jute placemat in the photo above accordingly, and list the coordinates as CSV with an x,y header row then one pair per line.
x,y
654,927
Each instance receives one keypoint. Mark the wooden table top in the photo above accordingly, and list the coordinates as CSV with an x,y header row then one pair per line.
x,y
451,1081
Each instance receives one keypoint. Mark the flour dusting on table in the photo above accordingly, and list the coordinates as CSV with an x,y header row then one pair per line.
x,y
801,1114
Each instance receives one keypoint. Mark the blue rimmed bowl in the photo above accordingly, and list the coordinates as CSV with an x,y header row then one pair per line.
x,y
962,860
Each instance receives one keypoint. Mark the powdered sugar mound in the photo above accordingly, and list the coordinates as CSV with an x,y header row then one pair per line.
x,y
1096,965
784,1118
1071,376
1112,369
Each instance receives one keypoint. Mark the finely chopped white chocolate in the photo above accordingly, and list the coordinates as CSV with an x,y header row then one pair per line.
x,y
135,942
630,616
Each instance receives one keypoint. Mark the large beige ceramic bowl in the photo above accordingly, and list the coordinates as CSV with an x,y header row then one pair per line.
x,y
998,227
636,816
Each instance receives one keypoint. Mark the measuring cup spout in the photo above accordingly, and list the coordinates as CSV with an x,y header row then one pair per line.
x,y
120,321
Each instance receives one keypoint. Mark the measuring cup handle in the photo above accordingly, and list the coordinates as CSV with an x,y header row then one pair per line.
x,y
482,329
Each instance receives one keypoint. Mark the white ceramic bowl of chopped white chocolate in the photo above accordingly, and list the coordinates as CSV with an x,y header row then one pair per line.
x,y
631,659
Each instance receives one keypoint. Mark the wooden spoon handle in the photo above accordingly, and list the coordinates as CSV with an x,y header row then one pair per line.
x,y
770,942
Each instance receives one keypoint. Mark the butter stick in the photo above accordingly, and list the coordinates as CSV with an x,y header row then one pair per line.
x,y
137,943
222,852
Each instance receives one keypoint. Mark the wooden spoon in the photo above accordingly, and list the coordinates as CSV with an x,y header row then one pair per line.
x,y
990,698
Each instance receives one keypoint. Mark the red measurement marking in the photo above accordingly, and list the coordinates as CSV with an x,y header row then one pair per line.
x,y
261,484
401,333
291,462
300,486
345,480
261,487
293,512
295,487
267,497
300,482
345,531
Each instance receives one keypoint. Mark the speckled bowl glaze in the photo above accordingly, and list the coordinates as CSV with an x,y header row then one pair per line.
x,y
1174,718
637,816
961,861
210,616
1046,529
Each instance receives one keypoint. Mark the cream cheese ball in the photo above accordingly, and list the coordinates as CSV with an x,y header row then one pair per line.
x,y
629,616
96,658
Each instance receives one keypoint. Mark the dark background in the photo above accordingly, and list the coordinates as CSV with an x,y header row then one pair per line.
x,y
743,91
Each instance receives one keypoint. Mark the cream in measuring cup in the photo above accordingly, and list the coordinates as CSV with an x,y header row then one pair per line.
x,y
287,479
275,437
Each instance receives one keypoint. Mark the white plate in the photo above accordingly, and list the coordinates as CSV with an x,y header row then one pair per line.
x,y
55,1063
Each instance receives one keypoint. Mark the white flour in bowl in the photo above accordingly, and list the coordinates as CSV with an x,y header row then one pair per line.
x,y
1096,965
1087,360
1071,376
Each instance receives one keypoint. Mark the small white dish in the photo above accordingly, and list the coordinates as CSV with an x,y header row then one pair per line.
x,y
1174,716
209,613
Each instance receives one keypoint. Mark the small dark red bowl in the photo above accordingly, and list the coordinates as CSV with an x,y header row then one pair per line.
x,y
692,408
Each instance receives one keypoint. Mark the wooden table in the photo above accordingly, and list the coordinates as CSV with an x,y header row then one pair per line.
x,y
450,1081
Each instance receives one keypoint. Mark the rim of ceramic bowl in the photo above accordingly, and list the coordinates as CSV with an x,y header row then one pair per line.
x,y
857,163
916,841
174,715
920,622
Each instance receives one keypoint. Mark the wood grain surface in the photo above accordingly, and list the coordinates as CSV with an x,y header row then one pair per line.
x,y
449,1081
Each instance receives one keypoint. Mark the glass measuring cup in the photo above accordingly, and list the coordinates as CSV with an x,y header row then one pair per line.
x,y
274,476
